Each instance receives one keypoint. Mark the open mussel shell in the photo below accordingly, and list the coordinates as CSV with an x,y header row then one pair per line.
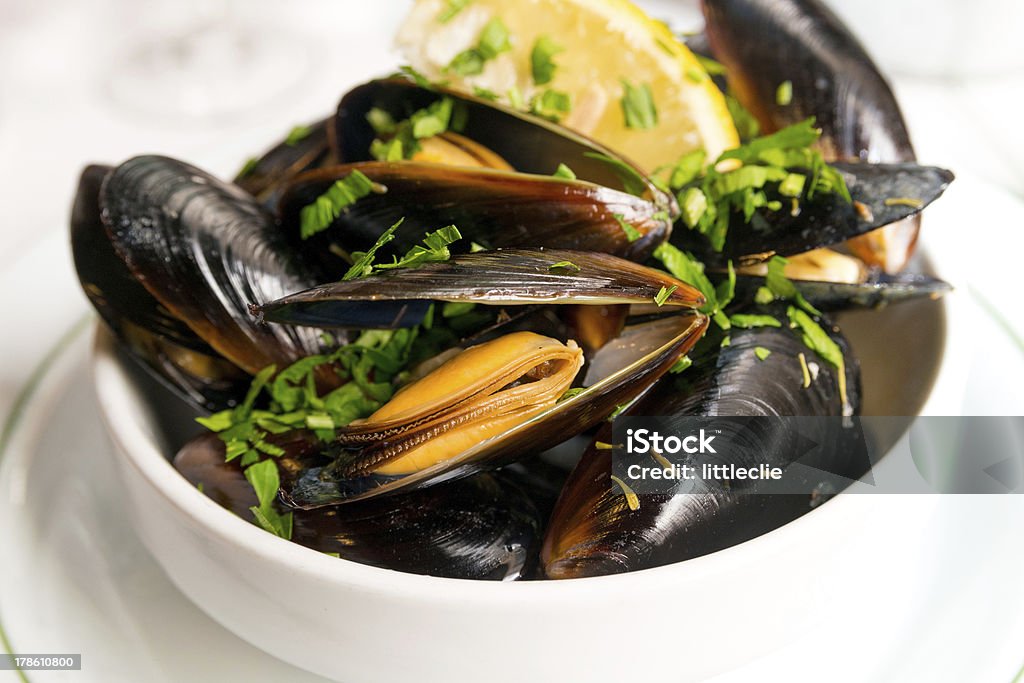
x,y
205,249
764,43
160,342
882,194
482,527
400,297
878,290
528,143
593,530
495,209
264,177
502,278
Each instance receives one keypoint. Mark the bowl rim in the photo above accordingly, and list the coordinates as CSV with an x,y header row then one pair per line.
x,y
114,391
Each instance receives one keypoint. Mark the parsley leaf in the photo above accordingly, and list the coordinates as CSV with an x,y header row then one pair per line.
x,y
565,266
688,269
632,180
297,135
494,39
551,104
541,62
452,8
817,340
761,352
749,321
632,234
565,172
663,294
638,107
363,261
319,215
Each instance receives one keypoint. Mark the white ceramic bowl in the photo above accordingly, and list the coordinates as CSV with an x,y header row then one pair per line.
x,y
359,624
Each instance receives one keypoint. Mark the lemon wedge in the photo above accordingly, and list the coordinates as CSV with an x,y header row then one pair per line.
x,y
603,51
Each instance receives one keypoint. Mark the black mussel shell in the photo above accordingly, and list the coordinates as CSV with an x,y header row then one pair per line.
x,y
400,297
528,143
482,527
878,290
494,209
205,250
594,531
160,342
882,194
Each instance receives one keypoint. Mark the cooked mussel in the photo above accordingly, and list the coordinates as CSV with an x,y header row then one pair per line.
x,y
494,209
160,342
482,527
527,143
204,250
491,403
765,43
595,530
882,194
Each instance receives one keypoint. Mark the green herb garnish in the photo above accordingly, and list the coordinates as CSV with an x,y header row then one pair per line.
x,y
264,478
541,59
248,167
746,123
452,8
551,104
297,135
493,40
638,107
784,94
633,182
401,140
565,172
817,339
681,365
434,248
761,352
319,215
564,265
750,321
632,234
663,294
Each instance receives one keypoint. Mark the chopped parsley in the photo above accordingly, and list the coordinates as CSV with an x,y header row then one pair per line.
x,y
748,321
632,180
542,64
452,7
567,266
319,215
681,365
663,294
564,172
551,104
434,248
817,339
248,167
638,107
485,94
784,94
746,124
494,39
265,480
632,234
710,199
297,135
401,140
761,352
